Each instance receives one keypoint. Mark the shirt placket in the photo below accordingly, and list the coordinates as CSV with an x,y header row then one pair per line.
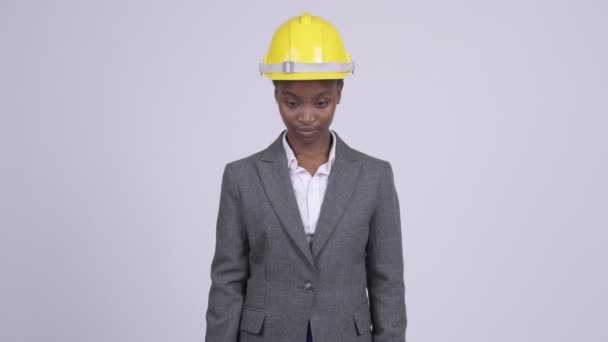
x,y
304,178
313,201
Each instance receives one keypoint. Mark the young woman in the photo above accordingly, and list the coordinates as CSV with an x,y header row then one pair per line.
x,y
308,238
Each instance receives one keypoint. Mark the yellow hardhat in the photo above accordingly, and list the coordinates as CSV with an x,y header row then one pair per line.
x,y
306,48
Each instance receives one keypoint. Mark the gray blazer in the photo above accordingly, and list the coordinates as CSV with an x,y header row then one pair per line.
x,y
268,282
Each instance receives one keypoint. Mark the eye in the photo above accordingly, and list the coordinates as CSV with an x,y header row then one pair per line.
x,y
291,104
322,104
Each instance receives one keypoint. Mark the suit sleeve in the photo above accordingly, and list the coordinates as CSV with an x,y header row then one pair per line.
x,y
229,268
384,261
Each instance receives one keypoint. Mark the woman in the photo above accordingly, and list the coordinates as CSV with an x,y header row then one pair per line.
x,y
308,238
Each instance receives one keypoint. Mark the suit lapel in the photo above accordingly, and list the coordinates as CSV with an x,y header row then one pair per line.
x,y
274,173
340,187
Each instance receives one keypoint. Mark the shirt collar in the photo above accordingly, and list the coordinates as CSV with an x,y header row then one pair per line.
x,y
292,162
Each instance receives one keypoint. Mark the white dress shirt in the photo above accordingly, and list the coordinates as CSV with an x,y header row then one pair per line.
x,y
309,190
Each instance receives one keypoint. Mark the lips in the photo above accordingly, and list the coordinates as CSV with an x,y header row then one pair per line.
x,y
306,130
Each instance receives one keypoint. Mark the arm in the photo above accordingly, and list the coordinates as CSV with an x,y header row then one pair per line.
x,y
384,261
230,266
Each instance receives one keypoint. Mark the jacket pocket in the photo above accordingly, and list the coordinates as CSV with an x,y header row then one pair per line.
x,y
252,320
363,320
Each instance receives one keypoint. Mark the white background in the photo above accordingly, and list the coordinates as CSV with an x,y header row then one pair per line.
x,y
117,118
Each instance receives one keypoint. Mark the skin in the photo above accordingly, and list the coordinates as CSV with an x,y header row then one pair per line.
x,y
308,105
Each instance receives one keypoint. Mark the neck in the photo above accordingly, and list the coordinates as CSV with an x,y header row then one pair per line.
x,y
318,149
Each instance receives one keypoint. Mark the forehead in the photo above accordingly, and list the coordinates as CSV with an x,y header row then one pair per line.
x,y
307,87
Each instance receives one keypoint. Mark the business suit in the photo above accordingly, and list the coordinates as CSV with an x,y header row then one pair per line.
x,y
268,283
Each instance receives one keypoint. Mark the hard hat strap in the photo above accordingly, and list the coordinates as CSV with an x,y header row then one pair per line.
x,y
290,67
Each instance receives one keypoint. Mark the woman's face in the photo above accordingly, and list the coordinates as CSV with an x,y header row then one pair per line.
x,y
307,107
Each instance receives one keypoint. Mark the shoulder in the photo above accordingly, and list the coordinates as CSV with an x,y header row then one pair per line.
x,y
353,153
377,172
248,162
244,164
369,159
373,166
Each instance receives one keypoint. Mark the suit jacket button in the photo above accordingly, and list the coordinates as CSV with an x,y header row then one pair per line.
x,y
308,288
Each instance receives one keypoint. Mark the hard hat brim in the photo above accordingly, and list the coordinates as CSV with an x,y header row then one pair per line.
x,y
306,71
307,76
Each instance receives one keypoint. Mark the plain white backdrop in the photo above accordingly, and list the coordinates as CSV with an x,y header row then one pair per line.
x,y
117,118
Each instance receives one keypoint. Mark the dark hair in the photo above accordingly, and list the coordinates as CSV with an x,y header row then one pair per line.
x,y
338,81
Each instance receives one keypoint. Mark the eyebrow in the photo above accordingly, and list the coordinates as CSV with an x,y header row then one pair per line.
x,y
287,92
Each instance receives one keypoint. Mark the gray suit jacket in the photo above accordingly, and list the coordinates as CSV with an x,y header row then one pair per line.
x,y
268,282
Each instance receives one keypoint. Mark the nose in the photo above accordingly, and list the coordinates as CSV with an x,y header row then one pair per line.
x,y
306,115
